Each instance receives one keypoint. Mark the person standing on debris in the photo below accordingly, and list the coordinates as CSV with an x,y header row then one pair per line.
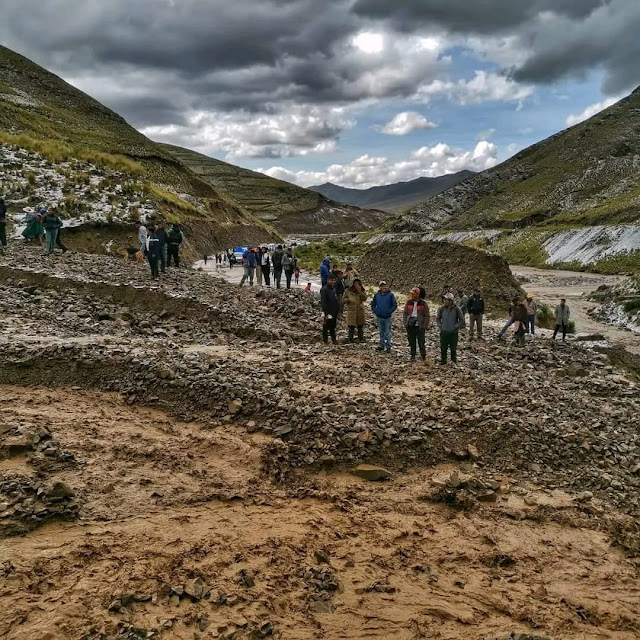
x,y
384,305
276,260
520,321
174,240
3,225
289,263
349,276
324,271
142,238
461,300
153,250
532,310
51,223
509,322
308,289
161,232
59,243
296,273
450,320
563,313
475,307
330,309
340,288
249,264
354,298
264,265
416,321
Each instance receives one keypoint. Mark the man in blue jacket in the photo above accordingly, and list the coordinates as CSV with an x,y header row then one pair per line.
x,y
384,305
249,264
324,271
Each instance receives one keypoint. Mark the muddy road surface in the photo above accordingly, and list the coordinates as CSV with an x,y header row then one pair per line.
x,y
184,459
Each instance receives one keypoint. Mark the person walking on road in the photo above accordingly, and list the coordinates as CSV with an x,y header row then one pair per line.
x,y
354,299
174,240
384,305
416,321
532,310
475,307
324,271
450,320
249,264
330,309
289,264
264,265
563,313
276,261
51,223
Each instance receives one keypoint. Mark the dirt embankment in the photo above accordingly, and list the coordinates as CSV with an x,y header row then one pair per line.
x,y
437,264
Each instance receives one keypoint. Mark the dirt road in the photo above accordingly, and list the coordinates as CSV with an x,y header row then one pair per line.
x,y
549,286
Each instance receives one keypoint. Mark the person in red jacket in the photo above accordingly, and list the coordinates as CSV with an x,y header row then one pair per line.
x,y
416,321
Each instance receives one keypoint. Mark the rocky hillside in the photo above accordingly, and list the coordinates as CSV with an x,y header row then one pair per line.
x,y
393,198
289,208
586,175
436,264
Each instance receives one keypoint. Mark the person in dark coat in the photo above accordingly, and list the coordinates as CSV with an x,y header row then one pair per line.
x,y
3,225
330,309
416,321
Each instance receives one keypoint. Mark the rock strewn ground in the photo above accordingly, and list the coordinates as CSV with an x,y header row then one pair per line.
x,y
204,466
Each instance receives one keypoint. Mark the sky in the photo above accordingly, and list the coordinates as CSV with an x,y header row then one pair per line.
x,y
354,92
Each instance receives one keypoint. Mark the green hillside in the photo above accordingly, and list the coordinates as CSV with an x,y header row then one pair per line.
x,y
289,208
586,175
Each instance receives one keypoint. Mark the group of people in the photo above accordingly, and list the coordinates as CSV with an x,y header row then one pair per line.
x,y
344,291
43,226
160,246
259,264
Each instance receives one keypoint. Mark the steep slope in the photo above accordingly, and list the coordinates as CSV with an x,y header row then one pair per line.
x,y
586,175
289,208
392,197
62,148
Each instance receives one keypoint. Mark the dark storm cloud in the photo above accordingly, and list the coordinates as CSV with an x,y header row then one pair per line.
x,y
561,37
470,16
162,62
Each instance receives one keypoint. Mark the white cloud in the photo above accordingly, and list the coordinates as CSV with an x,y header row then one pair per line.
x,y
369,42
485,134
591,110
300,131
369,171
406,122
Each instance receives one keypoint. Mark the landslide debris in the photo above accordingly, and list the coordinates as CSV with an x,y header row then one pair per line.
x,y
435,264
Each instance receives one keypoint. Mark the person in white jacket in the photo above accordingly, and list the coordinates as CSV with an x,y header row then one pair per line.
x,y
563,313
142,238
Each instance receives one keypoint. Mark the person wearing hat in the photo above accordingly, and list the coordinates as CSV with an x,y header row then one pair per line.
x,y
416,321
450,320
532,309
354,299
384,305
330,309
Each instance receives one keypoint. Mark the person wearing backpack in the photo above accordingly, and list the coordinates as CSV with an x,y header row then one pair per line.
x,y
174,240
289,263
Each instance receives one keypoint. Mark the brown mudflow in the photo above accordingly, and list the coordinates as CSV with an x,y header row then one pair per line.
x,y
176,464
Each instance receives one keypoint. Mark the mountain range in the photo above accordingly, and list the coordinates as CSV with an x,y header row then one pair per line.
x,y
393,198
